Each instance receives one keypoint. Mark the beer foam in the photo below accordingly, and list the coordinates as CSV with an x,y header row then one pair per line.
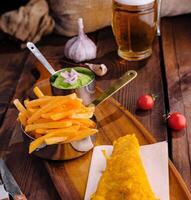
x,y
134,2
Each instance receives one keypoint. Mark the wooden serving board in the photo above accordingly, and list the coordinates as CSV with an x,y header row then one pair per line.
x,y
70,177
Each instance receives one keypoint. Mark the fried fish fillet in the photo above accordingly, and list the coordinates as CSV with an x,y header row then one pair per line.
x,y
124,177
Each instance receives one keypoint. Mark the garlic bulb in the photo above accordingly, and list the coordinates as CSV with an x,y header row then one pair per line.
x,y
98,69
80,48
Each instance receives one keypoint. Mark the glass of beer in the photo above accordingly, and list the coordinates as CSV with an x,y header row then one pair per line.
x,y
134,24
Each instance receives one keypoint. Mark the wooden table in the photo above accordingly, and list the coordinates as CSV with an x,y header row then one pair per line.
x,y
167,73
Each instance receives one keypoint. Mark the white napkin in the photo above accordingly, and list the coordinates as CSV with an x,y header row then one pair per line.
x,y
155,161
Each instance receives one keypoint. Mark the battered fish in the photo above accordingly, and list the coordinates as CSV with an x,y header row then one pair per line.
x,y
124,177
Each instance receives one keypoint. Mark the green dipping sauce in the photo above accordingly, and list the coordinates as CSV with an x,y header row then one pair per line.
x,y
85,76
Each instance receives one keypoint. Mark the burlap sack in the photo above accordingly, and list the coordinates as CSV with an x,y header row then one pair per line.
x,y
29,22
175,7
97,13
32,21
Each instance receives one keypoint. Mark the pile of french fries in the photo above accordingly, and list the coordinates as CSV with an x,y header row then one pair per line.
x,y
55,119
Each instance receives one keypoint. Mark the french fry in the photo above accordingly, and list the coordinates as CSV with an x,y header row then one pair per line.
x,y
73,104
38,92
38,102
40,131
19,106
56,102
91,108
61,115
54,140
52,112
55,119
86,115
39,141
32,110
42,120
36,135
22,118
42,101
46,115
62,124
64,131
26,101
78,135
88,109
46,108
84,122
80,100
33,134
81,134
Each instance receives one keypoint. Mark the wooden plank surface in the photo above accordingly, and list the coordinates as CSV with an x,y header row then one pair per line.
x,y
148,81
16,67
70,177
11,66
176,41
149,78
29,172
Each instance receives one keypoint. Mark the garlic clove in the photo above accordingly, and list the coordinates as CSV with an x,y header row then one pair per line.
x,y
98,69
80,48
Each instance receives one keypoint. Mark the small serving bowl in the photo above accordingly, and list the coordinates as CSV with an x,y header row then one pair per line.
x,y
85,92
62,151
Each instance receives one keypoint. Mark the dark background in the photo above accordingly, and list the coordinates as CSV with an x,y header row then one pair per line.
x,y
8,5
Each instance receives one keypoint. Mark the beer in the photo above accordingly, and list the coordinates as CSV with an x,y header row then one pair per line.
x,y
134,25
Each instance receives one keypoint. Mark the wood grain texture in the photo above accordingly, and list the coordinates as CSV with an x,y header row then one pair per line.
x,y
11,66
149,78
70,177
176,41
29,172
148,81
18,74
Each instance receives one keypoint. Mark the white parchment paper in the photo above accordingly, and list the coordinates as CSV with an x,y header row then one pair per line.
x,y
155,161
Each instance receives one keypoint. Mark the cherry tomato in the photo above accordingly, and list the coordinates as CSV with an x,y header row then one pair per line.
x,y
176,121
145,102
